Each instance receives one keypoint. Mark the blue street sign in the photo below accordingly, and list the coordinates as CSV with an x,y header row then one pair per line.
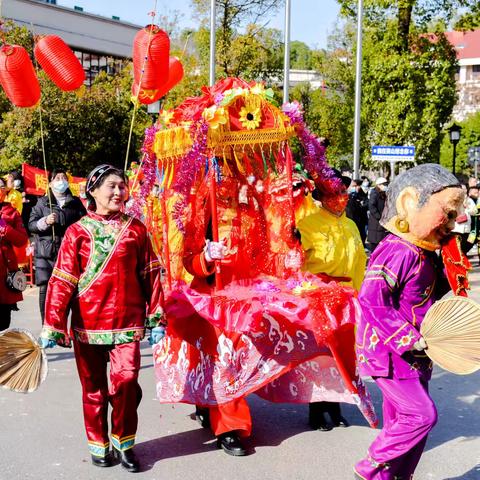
x,y
383,153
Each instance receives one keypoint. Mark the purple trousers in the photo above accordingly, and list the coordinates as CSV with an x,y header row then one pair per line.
x,y
408,416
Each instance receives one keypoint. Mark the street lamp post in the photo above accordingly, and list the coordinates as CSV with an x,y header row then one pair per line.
x,y
454,133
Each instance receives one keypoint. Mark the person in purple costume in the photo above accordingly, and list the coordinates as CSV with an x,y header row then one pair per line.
x,y
404,278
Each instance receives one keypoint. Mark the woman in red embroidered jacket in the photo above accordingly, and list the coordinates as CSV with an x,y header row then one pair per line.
x,y
12,234
109,276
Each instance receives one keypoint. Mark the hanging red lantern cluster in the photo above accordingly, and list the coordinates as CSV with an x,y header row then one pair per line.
x,y
59,63
175,75
151,51
17,76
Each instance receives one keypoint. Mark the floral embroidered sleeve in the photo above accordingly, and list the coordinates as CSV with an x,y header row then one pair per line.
x,y
383,280
61,287
151,276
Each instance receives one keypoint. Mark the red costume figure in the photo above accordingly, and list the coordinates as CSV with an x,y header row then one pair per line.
x,y
109,276
12,234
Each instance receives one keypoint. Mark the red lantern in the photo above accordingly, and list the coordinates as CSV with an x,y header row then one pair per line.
x,y
18,77
60,63
151,50
175,76
146,97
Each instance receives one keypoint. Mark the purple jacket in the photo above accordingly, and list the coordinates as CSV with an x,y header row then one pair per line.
x,y
401,284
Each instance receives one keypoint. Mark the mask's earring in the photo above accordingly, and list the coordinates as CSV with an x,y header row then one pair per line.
x,y
401,224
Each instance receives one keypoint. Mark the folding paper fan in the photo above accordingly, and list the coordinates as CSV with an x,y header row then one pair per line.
x,y
23,364
451,329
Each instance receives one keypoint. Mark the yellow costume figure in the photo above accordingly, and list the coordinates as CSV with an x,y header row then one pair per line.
x,y
333,247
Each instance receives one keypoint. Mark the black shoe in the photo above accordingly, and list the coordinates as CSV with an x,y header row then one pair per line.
x,y
316,417
202,415
127,459
340,422
105,461
231,444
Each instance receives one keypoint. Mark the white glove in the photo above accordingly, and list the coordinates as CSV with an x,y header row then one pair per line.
x,y
214,251
420,344
293,260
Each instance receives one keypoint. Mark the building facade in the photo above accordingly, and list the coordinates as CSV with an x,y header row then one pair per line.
x,y
467,45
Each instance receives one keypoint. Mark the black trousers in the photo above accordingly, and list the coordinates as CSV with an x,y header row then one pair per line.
x,y
42,296
5,316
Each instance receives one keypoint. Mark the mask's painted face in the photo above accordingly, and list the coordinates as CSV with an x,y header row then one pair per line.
x,y
434,221
335,204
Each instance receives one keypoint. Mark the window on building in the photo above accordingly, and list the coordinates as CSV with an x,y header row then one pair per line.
x,y
94,63
476,70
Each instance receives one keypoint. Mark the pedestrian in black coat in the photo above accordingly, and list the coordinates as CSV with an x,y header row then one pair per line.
x,y
376,202
357,207
48,226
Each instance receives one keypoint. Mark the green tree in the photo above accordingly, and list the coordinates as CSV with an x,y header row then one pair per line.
x,y
470,20
301,56
470,137
244,46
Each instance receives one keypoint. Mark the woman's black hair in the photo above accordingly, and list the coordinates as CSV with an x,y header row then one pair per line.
x,y
53,173
96,178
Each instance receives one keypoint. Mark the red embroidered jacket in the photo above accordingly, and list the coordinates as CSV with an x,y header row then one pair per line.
x,y
109,275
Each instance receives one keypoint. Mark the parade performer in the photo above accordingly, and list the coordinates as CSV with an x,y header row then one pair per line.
x,y
109,276
403,279
249,315
12,233
334,250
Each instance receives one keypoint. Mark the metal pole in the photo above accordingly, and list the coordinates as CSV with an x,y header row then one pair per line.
x,y
358,93
454,156
286,61
476,168
212,41
392,170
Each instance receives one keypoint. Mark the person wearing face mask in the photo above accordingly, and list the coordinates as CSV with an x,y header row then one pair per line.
x,y
48,223
82,195
376,202
333,250
357,207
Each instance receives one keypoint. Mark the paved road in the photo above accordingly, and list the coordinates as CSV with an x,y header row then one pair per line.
x,y
42,436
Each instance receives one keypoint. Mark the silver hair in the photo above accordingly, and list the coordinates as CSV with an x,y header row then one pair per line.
x,y
426,179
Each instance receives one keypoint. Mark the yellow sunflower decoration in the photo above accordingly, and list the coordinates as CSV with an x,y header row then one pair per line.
x,y
250,117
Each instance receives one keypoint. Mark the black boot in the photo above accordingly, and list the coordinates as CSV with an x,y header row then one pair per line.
x,y
231,444
202,415
316,417
105,461
127,459
333,409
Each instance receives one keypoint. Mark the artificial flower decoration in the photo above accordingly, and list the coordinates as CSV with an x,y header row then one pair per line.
x,y
250,117
215,116
229,95
166,116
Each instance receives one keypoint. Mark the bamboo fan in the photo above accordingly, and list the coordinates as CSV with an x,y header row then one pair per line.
x,y
451,329
23,364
